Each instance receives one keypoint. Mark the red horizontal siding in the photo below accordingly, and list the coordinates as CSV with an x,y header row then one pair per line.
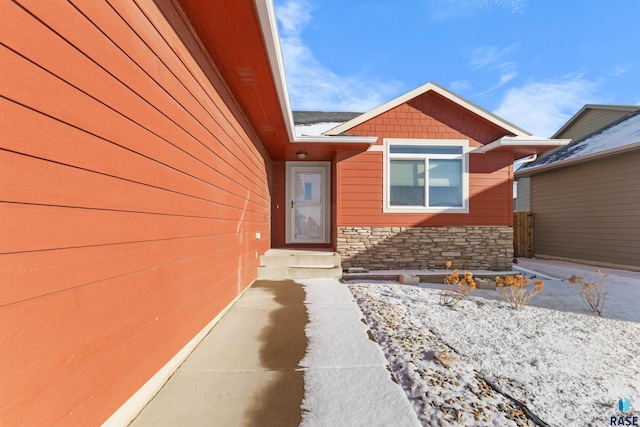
x,y
31,180
360,179
34,274
132,193
278,205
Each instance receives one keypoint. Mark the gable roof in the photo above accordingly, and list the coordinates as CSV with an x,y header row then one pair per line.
x,y
420,91
592,117
618,137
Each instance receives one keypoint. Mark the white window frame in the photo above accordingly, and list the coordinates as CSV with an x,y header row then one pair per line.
x,y
388,142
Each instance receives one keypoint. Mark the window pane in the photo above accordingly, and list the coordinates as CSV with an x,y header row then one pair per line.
x,y
308,222
445,183
406,183
425,149
308,186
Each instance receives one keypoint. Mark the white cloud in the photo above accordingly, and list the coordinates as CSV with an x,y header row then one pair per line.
x,y
491,56
495,59
293,16
619,70
446,9
312,86
507,77
543,107
460,85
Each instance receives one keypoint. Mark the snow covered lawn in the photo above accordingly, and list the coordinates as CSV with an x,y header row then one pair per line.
x,y
483,363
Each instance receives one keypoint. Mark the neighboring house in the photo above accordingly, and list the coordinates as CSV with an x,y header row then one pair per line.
x,y
585,197
592,117
589,119
148,159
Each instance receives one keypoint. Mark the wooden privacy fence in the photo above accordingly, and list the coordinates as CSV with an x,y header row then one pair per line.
x,y
523,234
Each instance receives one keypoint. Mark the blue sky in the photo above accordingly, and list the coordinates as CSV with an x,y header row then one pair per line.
x,y
532,62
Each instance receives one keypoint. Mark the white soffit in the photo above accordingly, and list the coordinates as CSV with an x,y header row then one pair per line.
x,y
520,141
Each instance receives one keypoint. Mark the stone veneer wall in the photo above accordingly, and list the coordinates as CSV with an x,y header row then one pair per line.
x,y
419,248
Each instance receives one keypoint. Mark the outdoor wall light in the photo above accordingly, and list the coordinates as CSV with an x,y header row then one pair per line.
x,y
301,155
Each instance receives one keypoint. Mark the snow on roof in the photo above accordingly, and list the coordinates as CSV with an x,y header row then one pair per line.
x,y
316,123
313,117
315,129
621,133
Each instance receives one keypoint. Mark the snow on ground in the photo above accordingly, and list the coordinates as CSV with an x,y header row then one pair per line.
x,y
346,376
484,363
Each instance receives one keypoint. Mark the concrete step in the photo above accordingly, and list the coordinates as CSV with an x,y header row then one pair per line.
x,y
282,264
287,258
284,273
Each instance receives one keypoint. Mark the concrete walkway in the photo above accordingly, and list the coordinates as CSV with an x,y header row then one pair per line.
x,y
245,372
281,343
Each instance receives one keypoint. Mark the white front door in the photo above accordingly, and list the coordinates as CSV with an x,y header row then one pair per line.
x,y
308,190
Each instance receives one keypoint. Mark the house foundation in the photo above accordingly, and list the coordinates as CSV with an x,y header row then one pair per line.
x,y
419,248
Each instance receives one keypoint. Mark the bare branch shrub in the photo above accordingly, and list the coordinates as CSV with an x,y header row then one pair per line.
x,y
456,287
515,292
593,293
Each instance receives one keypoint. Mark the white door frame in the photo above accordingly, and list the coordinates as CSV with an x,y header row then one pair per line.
x,y
325,167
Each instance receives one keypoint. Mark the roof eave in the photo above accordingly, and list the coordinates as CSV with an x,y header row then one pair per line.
x,y
346,139
268,22
269,25
520,146
532,170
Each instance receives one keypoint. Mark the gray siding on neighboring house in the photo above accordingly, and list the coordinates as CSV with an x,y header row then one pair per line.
x,y
591,121
523,200
590,211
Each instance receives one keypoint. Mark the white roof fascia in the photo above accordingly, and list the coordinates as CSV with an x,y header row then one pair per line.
x,y
419,91
509,141
271,36
574,160
269,25
336,140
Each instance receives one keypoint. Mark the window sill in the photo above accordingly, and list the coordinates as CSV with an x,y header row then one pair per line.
x,y
419,210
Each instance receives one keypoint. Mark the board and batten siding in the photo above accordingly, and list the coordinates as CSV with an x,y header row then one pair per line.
x,y
132,191
589,212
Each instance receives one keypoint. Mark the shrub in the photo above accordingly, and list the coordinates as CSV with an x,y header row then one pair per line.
x,y
456,287
515,292
594,293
